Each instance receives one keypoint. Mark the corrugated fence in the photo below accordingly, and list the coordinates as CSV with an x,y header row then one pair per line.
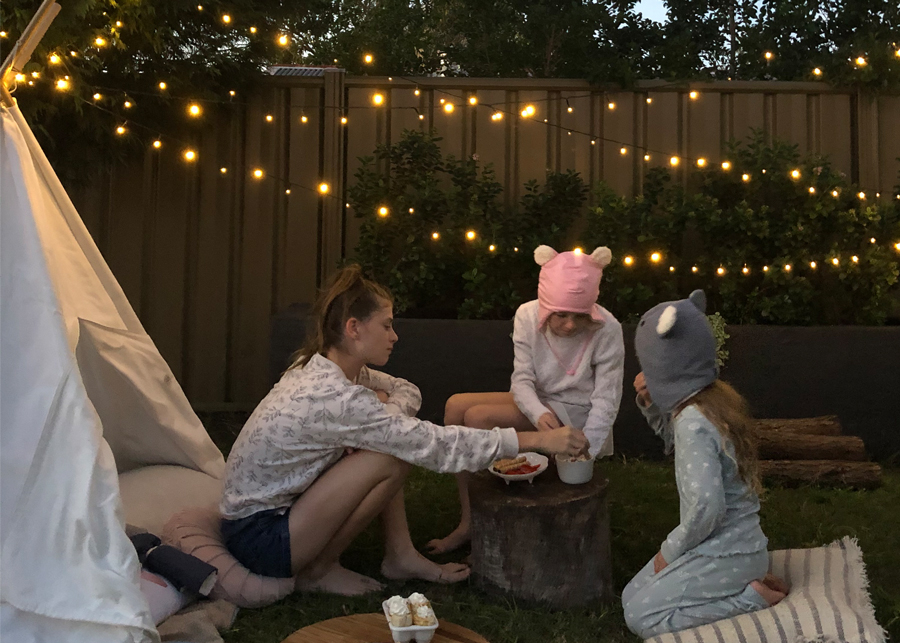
x,y
207,252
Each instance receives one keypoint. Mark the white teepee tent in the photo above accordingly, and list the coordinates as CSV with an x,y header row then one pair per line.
x,y
84,396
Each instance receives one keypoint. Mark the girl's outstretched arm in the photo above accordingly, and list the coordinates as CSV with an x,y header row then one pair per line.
x,y
403,396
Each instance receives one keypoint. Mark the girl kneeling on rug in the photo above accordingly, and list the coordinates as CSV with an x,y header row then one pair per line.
x,y
714,565
568,369
329,448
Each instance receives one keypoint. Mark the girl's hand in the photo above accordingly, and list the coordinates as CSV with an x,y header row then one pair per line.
x,y
659,563
640,387
382,395
564,441
548,421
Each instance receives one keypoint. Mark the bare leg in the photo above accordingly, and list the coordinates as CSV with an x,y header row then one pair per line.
x,y
332,512
772,597
480,411
401,560
773,582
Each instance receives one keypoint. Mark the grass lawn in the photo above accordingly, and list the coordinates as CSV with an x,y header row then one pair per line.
x,y
644,507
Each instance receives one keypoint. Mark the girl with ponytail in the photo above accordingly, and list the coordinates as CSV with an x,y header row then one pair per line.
x,y
329,449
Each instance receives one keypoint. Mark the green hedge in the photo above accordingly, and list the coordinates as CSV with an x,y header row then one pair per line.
x,y
712,230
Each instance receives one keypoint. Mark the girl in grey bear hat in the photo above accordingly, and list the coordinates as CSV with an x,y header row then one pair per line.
x,y
714,565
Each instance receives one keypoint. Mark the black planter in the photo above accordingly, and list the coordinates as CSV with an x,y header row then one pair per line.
x,y
786,372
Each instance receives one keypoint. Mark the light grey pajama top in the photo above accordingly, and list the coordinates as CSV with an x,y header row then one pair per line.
x,y
304,424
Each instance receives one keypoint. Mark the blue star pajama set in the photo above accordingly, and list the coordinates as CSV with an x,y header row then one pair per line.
x,y
718,548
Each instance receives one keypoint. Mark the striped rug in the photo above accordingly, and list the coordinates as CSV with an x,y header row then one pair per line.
x,y
828,603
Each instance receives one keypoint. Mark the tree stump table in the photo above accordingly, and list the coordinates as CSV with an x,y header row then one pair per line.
x,y
545,542
373,628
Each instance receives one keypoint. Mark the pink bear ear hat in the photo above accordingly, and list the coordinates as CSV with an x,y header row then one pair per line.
x,y
570,282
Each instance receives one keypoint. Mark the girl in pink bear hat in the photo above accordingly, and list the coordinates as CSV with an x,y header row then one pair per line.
x,y
568,369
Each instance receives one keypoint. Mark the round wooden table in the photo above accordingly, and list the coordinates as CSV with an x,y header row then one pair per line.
x,y
373,628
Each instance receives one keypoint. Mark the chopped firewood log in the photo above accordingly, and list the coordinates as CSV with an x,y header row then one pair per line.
x,y
824,425
862,475
784,445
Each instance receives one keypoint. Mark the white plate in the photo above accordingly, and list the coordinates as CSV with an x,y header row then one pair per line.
x,y
417,633
531,458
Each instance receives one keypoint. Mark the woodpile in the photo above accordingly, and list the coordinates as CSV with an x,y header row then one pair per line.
x,y
813,450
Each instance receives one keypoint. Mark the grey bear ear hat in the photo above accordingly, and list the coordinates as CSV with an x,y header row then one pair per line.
x,y
677,350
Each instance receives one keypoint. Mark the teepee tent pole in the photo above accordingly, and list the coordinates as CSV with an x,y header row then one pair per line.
x,y
24,47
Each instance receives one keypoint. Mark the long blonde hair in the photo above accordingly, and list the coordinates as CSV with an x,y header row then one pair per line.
x,y
348,295
730,413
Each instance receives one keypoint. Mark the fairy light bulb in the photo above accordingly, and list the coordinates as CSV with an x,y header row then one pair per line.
x,y
283,40
377,99
813,264
252,29
226,18
304,119
157,144
368,59
20,78
497,116
861,61
473,100
577,251
421,117
817,72
854,259
118,24
288,191
765,268
162,85
745,270
674,161
768,55
720,271
693,95
745,178
470,235
435,235
324,188
448,107
55,59
231,92
836,261
258,173
100,41
569,109
383,211
656,257
872,240
223,170
120,130
492,247
269,118
35,74
671,268
695,269
862,196
701,162
610,105
834,193
194,110
190,156
787,267
812,190
528,111
649,100
897,246
343,120
416,92
795,174
623,151
629,260
646,157
726,165
412,210
97,96
62,84
127,104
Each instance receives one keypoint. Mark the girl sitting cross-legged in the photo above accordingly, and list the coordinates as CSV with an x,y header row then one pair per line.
x,y
329,449
568,369
714,565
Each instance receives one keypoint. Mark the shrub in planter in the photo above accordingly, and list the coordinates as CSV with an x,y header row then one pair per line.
x,y
435,232
775,239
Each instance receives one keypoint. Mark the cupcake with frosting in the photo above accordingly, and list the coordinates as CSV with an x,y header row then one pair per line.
x,y
423,615
399,612
417,600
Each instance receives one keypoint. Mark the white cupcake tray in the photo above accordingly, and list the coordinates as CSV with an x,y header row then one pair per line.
x,y
419,633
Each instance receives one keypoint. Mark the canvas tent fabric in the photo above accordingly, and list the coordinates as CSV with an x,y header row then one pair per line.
x,y
69,571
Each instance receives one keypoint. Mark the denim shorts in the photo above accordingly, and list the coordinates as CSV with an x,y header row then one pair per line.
x,y
261,542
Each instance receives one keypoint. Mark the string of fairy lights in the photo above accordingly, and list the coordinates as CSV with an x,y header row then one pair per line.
x,y
195,109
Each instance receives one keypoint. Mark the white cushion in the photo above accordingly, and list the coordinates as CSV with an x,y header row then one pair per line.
x,y
145,415
828,601
152,495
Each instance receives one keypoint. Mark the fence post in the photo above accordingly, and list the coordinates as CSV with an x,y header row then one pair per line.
x,y
867,141
331,240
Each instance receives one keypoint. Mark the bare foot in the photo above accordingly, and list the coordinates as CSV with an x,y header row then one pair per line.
x,y
417,566
771,596
337,580
454,540
773,582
